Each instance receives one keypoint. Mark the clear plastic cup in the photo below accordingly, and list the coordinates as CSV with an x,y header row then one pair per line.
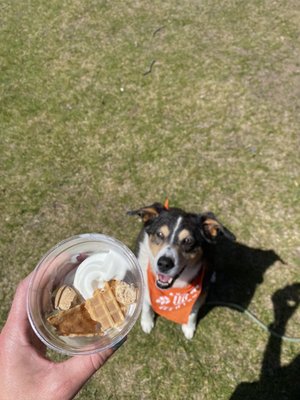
x,y
58,267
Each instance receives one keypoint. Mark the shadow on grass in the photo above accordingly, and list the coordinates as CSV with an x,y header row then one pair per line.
x,y
240,269
276,381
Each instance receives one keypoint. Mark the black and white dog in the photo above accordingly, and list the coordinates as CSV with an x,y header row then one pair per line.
x,y
173,249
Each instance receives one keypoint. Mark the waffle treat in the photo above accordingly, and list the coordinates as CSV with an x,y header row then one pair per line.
x,y
66,297
104,308
75,322
125,293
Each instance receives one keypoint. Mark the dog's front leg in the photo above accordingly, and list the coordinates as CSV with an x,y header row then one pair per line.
x,y
189,328
147,318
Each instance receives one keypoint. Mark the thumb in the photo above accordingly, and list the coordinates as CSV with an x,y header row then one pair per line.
x,y
79,369
17,320
83,367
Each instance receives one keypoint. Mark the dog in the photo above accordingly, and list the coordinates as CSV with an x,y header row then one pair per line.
x,y
174,249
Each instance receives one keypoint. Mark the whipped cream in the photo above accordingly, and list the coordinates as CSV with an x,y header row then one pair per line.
x,y
97,269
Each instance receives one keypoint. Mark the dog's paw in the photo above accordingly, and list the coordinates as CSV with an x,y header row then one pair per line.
x,y
147,323
188,330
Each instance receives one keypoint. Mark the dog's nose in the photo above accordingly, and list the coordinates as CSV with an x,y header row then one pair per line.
x,y
165,263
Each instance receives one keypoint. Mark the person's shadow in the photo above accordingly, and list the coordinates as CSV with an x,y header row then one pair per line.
x,y
276,382
239,270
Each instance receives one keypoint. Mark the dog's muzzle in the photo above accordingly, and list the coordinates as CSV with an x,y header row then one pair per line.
x,y
165,264
164,279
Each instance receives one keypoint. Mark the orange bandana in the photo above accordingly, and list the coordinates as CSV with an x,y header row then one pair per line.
x,y
175,304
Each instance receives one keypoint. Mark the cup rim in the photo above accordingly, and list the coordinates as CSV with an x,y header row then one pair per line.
x,y
89,237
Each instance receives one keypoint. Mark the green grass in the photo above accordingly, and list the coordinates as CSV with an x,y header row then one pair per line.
x,y
86,135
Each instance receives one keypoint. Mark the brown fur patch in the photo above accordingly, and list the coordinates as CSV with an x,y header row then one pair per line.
x,y
165,231
184,234
212,226
156,243
154,246
148,213
195,256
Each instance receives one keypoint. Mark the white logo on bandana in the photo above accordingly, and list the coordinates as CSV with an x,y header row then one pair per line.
x,y
174,301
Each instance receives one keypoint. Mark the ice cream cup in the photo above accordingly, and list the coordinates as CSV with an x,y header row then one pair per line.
x,y
75,260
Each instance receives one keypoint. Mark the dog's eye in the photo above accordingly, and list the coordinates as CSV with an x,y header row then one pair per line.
x,y
188,244
188,241
157,237
160,235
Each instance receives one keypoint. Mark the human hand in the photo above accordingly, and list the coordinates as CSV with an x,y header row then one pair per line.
x,y
26,372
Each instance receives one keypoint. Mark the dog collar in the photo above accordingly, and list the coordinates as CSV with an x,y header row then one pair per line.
x,y
174,304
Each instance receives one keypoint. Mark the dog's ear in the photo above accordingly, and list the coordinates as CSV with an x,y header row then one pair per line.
x,y
148,213
212,228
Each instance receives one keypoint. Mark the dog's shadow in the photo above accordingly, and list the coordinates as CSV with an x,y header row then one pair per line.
x,y
239,270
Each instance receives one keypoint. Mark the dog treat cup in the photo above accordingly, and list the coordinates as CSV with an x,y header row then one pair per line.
x,y
85,294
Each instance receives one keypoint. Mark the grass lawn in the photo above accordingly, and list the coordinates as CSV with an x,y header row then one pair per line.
x,y
109,106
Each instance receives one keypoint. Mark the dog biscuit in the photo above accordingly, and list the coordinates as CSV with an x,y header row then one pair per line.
x,y
66,297
75,322
104,308
124,292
